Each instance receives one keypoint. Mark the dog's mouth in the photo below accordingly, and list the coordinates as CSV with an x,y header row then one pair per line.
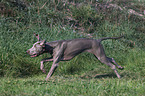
x,y
34,55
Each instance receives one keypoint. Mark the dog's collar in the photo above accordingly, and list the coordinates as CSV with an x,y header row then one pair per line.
x,y
46,49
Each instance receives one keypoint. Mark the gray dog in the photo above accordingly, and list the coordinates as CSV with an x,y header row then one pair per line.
x,y
67,49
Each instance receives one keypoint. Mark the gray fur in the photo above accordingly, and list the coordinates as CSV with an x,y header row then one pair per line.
x,y
67,49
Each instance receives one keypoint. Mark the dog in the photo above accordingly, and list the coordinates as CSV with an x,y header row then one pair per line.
x,y
63,50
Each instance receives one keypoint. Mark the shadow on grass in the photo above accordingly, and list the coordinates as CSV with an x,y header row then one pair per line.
x,y
99,76
105,76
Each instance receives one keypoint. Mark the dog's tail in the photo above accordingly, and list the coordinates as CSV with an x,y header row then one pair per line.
x,y
105,38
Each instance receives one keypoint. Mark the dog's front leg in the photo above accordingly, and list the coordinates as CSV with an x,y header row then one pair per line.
x,y
42,63
58,52
52,69
42,67
56,60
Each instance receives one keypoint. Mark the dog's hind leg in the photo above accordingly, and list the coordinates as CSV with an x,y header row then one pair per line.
x,y
102,57
100,54
113,67
113,61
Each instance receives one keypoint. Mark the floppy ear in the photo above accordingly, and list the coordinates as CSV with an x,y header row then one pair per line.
x,y
42,43
37,36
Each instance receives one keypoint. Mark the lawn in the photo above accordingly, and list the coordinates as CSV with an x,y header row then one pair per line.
x,y
84,75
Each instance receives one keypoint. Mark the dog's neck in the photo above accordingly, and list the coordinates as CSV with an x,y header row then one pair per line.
x,y
48,49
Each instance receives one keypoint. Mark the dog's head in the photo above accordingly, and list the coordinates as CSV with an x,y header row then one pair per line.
x,y
37,48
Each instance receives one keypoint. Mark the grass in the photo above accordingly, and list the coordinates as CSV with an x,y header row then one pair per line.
x,y
84,75
72,85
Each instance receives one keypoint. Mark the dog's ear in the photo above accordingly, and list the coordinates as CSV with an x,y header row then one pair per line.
x,y
37,36
42,43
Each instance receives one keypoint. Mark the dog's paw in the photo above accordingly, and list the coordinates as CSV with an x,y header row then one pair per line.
x,y
121,68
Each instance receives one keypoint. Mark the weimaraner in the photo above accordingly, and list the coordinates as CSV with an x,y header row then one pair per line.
x,y
63,50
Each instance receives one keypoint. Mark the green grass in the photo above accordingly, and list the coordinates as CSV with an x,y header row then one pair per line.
x,y
72,86
84,75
